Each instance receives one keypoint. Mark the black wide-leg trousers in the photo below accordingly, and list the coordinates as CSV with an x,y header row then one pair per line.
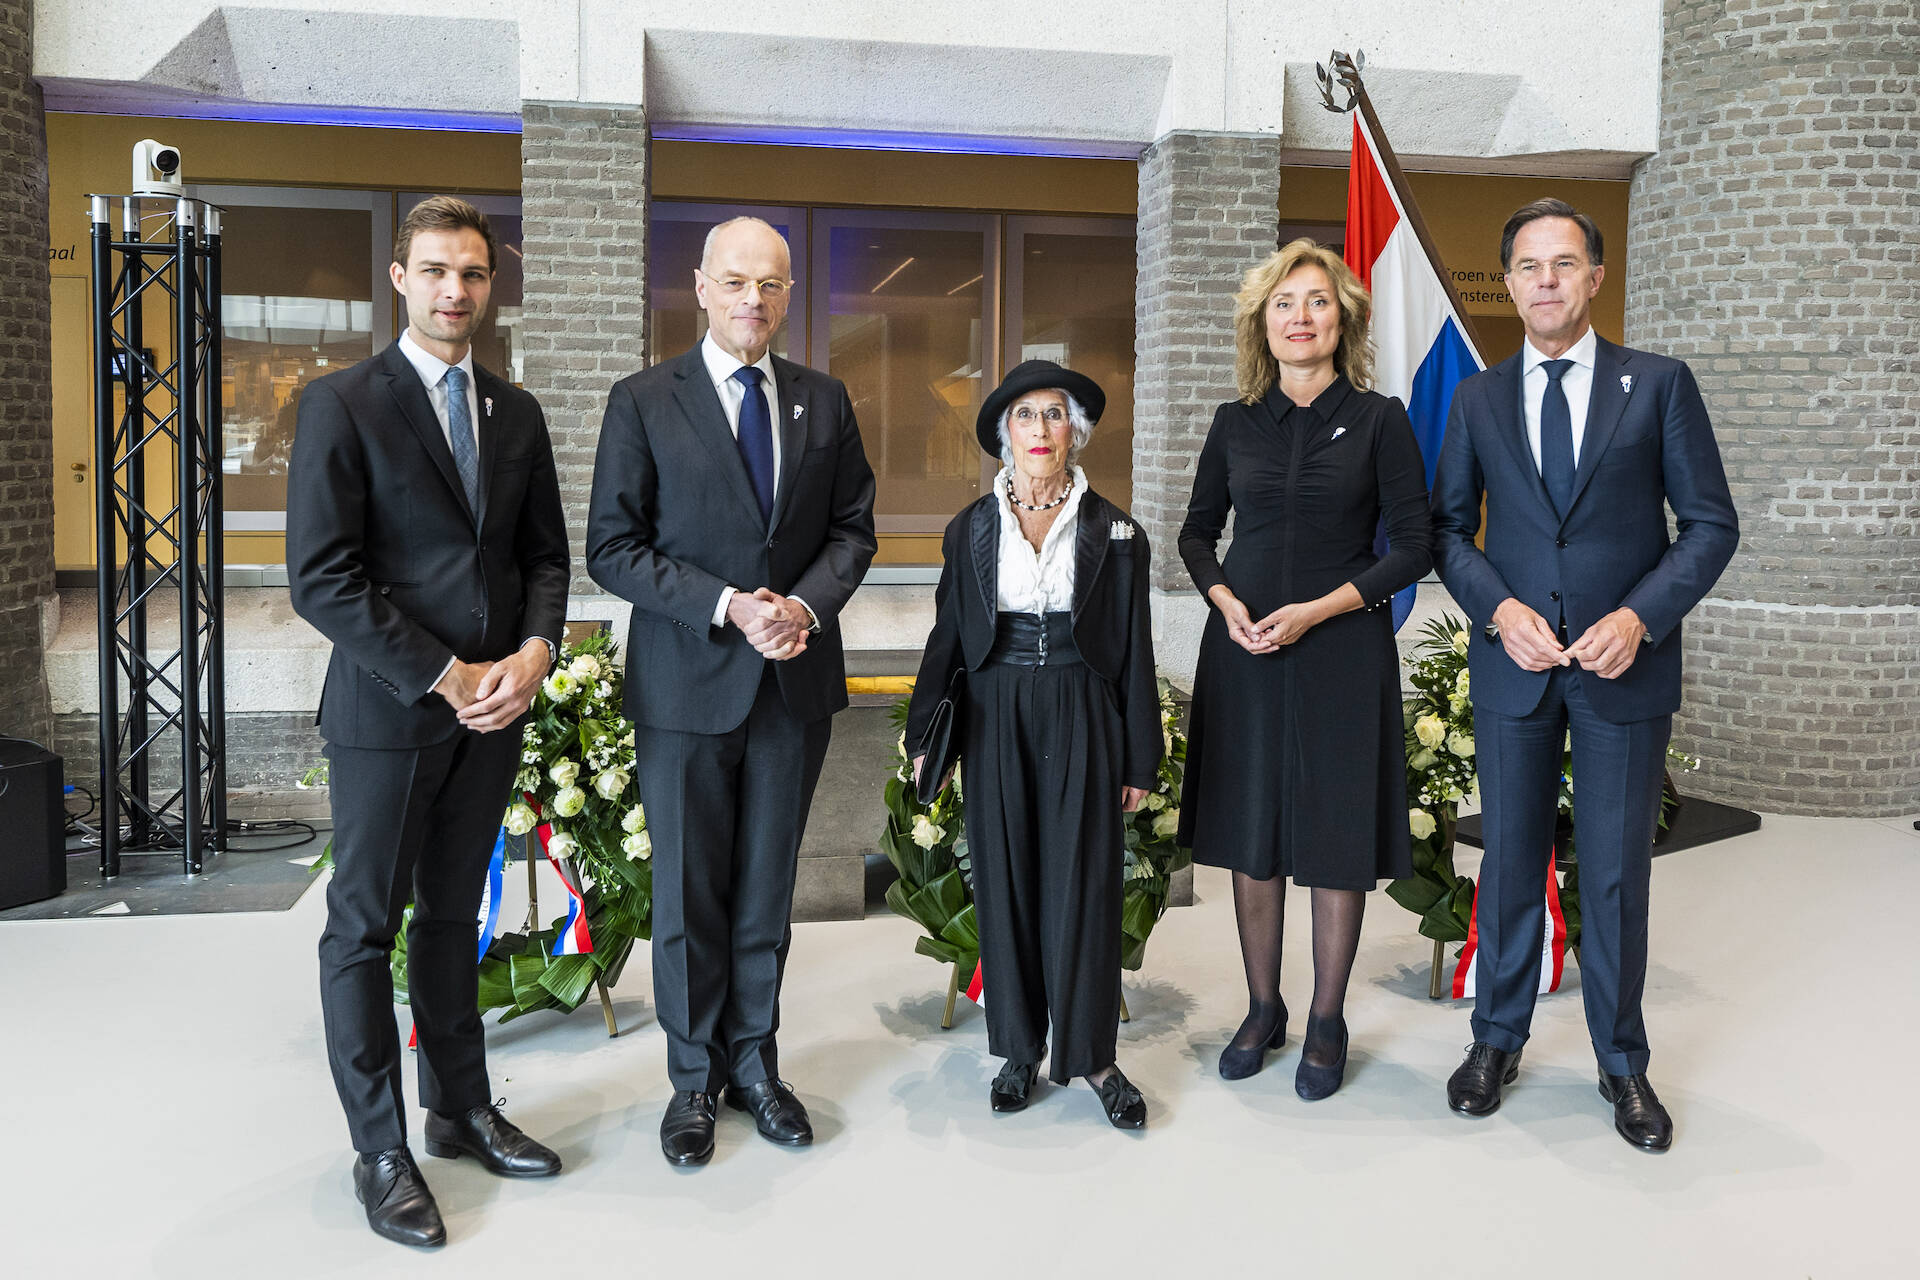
x,y
1041,772
726,811
413,823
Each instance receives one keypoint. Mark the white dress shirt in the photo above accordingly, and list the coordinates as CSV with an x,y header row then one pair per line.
x,y
433,372
1037,581
1577,382
721,367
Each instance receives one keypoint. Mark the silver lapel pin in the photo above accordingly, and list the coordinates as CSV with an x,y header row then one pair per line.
x,y
488,402
797,411
1626,383
1337,433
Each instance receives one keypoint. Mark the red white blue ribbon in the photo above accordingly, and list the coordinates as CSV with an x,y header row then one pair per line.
x,y
574,939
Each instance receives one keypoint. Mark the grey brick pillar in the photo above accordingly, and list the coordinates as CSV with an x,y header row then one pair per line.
x,y
1208,211
26,387
584,194
1775,245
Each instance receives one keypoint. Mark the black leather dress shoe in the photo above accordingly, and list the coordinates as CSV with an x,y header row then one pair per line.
x,y
1474,1088
1124,1106
399,1206
686,1130
1013,1087
776,1112
493,1140
1637,1114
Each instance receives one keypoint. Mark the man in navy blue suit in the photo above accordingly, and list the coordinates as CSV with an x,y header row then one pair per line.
x,y
1578,447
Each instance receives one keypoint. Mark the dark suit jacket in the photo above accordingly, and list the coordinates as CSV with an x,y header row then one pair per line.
x,y
1648,445
387,560
674,521
1112,623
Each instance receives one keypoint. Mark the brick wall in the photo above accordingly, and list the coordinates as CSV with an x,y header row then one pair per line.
x,y
584,194
1774,244
26,393
1208,211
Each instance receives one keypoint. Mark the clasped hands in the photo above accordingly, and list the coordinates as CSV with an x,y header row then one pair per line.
x,y
1275,631
1607,648
775,625
492,695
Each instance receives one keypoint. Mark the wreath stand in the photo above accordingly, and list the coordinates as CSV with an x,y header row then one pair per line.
x,y
533,926
953,994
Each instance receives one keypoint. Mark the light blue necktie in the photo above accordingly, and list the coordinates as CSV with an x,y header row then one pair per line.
x,y
466,457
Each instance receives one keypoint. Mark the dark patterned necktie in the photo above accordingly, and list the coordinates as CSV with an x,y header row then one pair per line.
x,y
756,436
466,457
1556,437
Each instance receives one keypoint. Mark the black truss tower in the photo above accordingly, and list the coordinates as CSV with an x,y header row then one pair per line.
x,y
158,528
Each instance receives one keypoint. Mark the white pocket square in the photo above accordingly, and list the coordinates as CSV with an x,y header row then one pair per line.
x,y
1122,530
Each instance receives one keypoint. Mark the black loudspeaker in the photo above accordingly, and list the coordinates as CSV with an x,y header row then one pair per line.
x,y
33,824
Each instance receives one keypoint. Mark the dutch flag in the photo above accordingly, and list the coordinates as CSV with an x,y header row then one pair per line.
x,y
1421,348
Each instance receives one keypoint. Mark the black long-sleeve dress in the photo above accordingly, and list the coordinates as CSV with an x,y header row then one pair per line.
x,y
1295,759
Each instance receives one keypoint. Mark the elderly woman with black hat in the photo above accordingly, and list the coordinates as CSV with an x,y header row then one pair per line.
x,y
1041,638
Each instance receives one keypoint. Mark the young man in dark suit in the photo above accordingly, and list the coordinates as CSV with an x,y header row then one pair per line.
x,y
733,505
1579,447
424,539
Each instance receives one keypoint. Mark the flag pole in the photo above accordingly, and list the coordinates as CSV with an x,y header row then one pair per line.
x,y
1346,70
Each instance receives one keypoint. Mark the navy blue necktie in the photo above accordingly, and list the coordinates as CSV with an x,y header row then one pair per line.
x,y
756,436
460,435
1556,437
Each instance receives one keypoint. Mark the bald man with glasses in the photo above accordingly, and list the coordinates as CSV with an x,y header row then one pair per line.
x,y
733,506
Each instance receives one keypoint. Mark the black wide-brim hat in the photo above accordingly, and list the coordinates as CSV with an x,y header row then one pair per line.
x,y
1035,375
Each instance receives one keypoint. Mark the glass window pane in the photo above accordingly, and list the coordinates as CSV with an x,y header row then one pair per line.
x,y
296,304
496,345
907,332
675,320
1076,304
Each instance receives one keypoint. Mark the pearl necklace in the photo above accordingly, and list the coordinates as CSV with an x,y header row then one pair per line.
x,y
1028,506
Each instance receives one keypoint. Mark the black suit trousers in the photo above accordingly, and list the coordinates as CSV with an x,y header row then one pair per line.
x,y
1617,770
419,823
726,811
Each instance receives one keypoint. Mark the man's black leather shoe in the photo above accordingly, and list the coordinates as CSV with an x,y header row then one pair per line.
x,y
1637,1114
776,1112
399,1206
686,1130
1012,1089
1474,1088
493,1140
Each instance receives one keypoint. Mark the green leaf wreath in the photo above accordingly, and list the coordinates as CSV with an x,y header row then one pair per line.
x,y
576,777
927,845
1438,721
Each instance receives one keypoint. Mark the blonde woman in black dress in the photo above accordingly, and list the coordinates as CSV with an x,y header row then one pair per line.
x,y
1295,761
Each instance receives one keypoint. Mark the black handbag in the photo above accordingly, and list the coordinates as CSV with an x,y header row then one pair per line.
x,y
940,745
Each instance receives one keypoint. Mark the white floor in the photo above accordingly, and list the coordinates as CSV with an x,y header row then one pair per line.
x,y
166,1102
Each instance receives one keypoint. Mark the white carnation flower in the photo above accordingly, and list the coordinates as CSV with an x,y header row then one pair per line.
x,y
569,801
634,820
560,686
